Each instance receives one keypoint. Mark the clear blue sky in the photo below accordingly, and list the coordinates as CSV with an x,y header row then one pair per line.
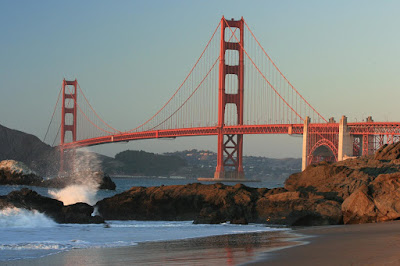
x,y
130,56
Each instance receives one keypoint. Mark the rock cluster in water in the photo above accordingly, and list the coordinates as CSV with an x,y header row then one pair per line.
x,y
361,190
28,199
366,189
220,203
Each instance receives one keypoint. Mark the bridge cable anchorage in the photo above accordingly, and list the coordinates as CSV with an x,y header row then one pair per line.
x,y
52,116
179,88
280,72
80,110
105,123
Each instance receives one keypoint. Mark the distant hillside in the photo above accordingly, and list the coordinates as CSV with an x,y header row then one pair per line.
x,y
27,148
40,157
202,163
146,163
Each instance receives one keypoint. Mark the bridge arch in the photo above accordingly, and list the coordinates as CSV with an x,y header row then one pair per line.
x,y
323,146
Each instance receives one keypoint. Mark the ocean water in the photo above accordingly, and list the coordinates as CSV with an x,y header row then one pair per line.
x,y
30,234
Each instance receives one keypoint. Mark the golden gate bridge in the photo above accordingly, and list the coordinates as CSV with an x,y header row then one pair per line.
x,y
233,89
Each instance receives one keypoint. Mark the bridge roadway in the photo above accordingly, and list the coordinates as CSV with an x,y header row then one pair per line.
x,y
360,128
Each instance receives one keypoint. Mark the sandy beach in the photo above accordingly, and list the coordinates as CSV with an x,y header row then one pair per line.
x,y
217,250
364,244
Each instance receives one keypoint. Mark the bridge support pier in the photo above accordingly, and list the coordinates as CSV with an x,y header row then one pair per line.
x,y
345,147
304,157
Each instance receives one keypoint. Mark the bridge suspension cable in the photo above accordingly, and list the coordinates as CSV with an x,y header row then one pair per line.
x,y
280,72
269,98
180,87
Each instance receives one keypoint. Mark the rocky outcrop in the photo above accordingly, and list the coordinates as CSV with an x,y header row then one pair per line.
x,y
202,203
17,173
367,187
361,190
298,208
219,203
377,202
388,152
28,199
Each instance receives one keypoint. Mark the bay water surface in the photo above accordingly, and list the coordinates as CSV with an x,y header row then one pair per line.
x,y
30,234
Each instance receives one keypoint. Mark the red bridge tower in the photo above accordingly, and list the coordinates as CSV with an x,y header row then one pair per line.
x,y
230,146
68,108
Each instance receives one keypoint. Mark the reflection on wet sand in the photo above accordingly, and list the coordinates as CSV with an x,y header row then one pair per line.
x,y
216,250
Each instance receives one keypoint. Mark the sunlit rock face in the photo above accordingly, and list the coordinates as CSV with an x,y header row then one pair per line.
x,y
368,187
17,173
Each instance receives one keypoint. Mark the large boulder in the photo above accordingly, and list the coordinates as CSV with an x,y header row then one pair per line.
x,y
94,179
298,209
31,200
377,202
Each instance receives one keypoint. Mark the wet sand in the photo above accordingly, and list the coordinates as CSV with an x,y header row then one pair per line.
x,y
365,244
217,250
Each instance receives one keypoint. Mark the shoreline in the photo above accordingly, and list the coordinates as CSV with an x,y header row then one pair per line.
x,y
360,244
229,249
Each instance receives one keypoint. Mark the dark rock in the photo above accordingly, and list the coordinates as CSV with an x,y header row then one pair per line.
x,y
295,208
90,178
211,203
17,173
107,183
80,213
31,200
219,203
209,216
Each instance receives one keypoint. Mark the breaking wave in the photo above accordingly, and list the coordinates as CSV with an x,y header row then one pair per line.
x,y
15,217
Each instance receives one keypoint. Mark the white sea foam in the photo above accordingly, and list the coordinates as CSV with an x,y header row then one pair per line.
x,y
75,193
34,246
14,217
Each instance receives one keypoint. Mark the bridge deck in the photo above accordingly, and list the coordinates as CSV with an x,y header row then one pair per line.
x,y
361,128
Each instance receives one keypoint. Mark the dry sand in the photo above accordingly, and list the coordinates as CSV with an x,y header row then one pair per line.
x,y
363,244
366,244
